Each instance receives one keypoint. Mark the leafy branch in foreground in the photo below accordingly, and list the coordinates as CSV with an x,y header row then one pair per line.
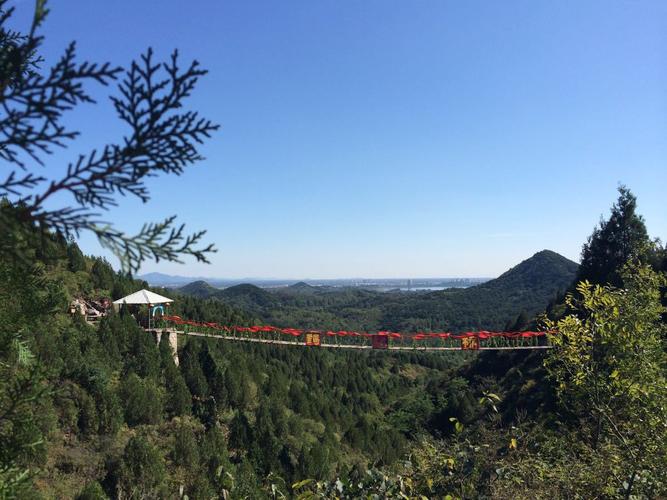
x,y
160,241
163,139
609,367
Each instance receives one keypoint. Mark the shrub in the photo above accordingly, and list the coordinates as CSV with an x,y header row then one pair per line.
x,y
92,491
142,401
142,471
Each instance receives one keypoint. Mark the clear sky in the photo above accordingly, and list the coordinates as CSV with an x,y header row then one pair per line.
x,y
393,139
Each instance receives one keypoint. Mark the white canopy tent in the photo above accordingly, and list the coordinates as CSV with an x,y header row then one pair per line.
x,y
144,297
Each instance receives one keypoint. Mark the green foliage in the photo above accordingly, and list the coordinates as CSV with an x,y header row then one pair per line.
x,y
622,237
14,482
164,139
92,491
142,471
246,483
214,457
192,370
610,373
186,453
102,274
141,355
142,401
178,400
105,413
75,259
453,399
241,433
24,398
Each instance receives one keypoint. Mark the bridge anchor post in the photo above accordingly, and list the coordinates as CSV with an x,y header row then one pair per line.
x,y
173,342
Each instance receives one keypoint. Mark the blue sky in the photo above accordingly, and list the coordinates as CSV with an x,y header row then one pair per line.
x,y
393,139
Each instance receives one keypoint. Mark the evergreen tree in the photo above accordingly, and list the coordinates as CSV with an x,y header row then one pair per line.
x,y
25,404
215,457
142,401
246,484
102,274
141,356
240,433
186,453
268,443
192,370
178,400
163,139
75,260
142,470
614,242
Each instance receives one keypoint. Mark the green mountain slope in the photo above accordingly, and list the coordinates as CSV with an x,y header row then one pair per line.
x,y
199,289
544,270
526,288
247,296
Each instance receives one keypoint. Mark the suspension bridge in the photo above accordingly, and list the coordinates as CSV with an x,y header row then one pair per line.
x,y
344,339
173,326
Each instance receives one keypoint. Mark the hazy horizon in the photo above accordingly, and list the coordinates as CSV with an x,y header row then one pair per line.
x,y
310,278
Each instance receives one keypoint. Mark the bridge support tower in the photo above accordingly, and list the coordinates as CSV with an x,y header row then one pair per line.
x,y
173,342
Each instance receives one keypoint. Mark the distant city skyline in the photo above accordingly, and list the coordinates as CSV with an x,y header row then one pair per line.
x,y
386,139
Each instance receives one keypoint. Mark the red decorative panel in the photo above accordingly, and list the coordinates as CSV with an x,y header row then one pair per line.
x,y
380,342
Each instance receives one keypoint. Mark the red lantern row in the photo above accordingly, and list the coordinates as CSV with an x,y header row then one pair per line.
x,y
295,332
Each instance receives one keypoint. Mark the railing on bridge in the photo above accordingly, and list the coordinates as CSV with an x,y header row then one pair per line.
x,y
478,340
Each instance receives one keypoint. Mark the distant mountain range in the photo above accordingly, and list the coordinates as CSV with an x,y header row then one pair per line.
x,y
175,281
170,280
525,290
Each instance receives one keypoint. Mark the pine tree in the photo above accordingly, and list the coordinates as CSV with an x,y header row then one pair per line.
x,y
142,471
186,453
615,242
141,400
102,274
75,260
240,433
178,400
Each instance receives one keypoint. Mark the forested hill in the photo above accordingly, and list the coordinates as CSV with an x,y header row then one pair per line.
x,y
508,301
199,289
248,296
539,271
